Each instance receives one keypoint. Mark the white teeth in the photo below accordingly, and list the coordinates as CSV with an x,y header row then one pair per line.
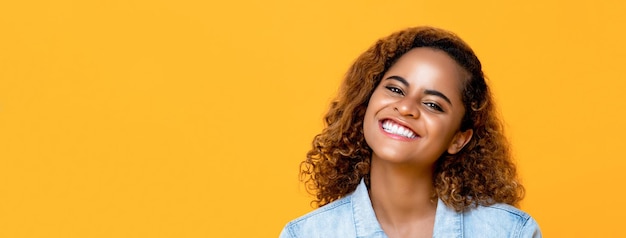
x,y
396,129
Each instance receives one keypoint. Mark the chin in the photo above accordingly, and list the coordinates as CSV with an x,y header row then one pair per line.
x,y
392,157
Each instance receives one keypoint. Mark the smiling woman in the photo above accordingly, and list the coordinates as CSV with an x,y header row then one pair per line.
x,y
414,99
413,148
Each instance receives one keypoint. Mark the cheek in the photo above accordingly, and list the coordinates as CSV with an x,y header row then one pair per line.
x,y
370,124
377,101
372,105
368,120
442,128
455,122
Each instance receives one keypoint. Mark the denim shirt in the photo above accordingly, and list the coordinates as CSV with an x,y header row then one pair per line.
x,y
353,216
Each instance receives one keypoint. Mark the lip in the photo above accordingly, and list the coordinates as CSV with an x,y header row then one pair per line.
x,y
394,136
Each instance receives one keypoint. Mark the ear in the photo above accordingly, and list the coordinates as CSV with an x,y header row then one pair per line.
x,y
461,138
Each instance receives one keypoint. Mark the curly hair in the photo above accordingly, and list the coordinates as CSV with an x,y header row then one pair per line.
x,y
482,173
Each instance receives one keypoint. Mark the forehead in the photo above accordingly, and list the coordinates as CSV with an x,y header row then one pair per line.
x,y
429,67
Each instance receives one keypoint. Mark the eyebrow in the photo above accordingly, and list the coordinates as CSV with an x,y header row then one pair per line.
x,y
427,91
437,93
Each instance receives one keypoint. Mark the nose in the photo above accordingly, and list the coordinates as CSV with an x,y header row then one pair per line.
x,y
407,108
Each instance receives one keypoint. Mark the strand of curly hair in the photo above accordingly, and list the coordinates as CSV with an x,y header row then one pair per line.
x,y
482,173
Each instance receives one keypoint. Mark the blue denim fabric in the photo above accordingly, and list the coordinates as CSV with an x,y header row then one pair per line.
x,y
353,216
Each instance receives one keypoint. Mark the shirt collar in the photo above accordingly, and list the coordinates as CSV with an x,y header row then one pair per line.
x,y
448,222
364,217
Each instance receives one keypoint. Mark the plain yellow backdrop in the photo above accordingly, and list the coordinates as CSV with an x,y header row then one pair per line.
x,y
189,118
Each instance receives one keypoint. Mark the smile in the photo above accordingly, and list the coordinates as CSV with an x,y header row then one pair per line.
x,y
395,129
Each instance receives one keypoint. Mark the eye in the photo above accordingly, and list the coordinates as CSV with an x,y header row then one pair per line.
x,y
433,106
395,90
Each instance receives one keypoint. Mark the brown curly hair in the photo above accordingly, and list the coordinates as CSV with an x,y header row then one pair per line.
x,y
482,173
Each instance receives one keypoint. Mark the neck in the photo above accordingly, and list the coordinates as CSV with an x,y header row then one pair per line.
x,y
401,194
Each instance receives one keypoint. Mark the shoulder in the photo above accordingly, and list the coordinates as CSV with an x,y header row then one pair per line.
x,y
332,220
500,219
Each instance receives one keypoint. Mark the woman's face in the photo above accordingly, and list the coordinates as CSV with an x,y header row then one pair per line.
x,y
415,112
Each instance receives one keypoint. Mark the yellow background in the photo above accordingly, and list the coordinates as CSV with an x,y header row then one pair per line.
x,y
189,118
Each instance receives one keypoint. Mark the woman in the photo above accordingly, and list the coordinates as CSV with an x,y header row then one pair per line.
x,y
413,148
